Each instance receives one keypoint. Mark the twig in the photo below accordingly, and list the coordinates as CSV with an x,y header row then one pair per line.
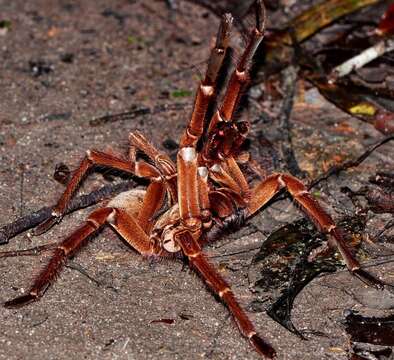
x,y
138,111
361,59
22,183
172,5
73,265
290,81
31,220
235,253
28,252
336,169
386,227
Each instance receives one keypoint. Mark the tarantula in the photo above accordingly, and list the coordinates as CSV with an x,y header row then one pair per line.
x,y
185,203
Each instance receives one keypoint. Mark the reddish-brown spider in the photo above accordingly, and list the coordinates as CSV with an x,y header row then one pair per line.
x,y
188,201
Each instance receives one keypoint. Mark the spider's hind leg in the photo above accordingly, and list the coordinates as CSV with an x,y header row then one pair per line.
x,y
272,185
220,287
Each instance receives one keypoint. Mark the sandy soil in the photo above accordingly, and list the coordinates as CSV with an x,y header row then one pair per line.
x,y
65,63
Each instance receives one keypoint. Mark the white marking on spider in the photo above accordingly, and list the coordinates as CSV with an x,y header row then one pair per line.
x,y
207,90
112,218
188,154
216,168
281,182
202,171
224,291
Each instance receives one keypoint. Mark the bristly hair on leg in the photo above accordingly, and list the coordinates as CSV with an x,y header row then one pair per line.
x,y
228,226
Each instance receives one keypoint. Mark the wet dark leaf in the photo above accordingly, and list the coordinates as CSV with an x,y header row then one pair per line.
x,y
281,269
319,16
373,330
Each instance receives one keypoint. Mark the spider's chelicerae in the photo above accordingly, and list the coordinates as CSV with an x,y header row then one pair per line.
x,y
187,202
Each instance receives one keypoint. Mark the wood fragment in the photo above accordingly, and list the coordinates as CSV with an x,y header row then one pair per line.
x,y
358,61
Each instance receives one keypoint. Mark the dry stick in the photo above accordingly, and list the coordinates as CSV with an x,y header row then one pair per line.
x,y
31,220
74,266
139,111
172,5
361,59
336,169
290,82
29,252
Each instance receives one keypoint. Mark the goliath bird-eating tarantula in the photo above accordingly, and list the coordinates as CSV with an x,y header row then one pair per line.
x,y
185,203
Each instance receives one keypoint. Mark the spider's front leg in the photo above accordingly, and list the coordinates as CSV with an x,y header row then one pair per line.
x,y
268,188
188,237
93,158
220,287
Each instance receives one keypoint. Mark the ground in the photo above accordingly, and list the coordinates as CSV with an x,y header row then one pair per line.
x,y
65,63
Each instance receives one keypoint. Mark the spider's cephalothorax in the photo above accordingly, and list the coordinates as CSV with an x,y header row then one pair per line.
x,y
192,201
225,140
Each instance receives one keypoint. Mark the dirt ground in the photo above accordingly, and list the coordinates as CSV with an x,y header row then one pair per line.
x,y
64,63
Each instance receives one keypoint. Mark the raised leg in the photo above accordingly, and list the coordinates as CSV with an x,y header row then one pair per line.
x,y
207,89
268,188
219,286
224,135
94,157
240,77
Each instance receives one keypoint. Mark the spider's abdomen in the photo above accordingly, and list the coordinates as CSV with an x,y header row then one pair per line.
x,y
130,201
